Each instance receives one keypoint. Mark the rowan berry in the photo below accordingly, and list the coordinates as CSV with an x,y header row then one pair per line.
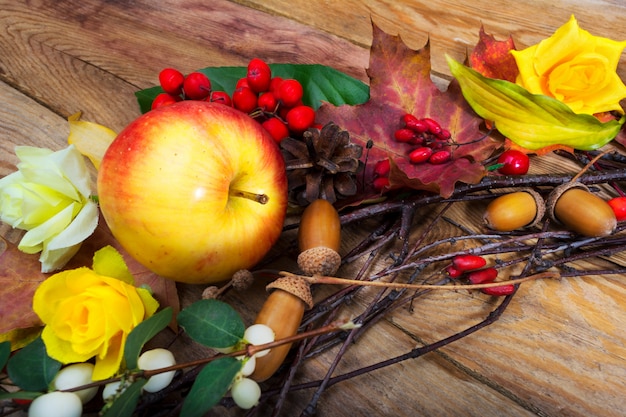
x,y
515,162
267,101
244,99
196,86
618,204
164,99
259,75
221,97
290,92
275,82
468,262
276,128
242,82
300,118
171,81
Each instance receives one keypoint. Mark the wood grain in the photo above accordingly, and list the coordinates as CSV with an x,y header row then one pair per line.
x,y
560,348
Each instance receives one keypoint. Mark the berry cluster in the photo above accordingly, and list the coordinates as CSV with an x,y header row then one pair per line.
x,y
274,102
431,142
472,267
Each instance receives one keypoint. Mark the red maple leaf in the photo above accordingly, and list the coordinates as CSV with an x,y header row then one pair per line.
x,y
492,58
400,83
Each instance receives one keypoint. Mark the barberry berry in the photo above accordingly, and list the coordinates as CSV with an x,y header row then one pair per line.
x,y
432,125
500,290
468,262
420,155
453,272
440,157
404,135
415,124
483,275
380,183
382,168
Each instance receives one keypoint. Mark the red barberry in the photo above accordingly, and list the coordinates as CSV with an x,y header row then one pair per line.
x,y
290,92
171,81
300,118
382,168
515,162
276,128
432,125
420,155
500,290
196,86
468,262
618,204
267,101
404,135
380,183
453,272
221,97
259,75
415,124
244,99
483,275
164,99
444,135
440,157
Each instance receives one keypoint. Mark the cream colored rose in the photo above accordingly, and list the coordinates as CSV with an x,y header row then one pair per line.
x,y
574,67
49,197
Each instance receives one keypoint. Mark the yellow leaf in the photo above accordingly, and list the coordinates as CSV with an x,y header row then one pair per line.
x,y
109,262
91,139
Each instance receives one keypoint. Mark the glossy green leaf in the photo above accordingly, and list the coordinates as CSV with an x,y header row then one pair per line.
x,y
320,83
210,386
31,368
22,395
5,352
212,323
145,331
125,404
532,121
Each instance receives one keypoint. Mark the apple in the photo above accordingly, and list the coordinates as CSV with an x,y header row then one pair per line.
x,y
194,191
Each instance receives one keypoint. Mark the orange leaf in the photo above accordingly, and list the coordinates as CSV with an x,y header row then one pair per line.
x,y
493,59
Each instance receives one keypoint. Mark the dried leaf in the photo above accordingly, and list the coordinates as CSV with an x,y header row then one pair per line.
x,y
400,83
493,59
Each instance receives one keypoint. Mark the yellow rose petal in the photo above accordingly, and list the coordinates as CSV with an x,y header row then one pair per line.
x,y
110,263
91,139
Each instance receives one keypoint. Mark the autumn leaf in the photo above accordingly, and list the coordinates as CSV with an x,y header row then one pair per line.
x,y
492,58
21,275
400,83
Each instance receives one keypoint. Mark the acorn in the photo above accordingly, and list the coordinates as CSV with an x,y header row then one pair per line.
x,y
575,207
319,239
514,211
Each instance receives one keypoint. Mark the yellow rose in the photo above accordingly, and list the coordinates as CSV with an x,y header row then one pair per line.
x,y
49,197
89,313
574,67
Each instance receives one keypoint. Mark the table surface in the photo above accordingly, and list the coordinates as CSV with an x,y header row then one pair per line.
x,y
559,349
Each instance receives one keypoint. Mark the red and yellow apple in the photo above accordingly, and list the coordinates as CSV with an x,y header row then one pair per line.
x,y
194,191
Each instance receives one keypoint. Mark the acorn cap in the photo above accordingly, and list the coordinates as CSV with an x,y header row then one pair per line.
x,y
541,206
557,193
294,285
319,261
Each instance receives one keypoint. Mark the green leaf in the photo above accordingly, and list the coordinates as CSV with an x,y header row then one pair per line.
x,y
5,352
145,331
320,83
210,386
125,404
532,121
212,323
31,368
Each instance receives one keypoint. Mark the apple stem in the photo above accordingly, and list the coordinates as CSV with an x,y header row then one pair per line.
x,y
259,198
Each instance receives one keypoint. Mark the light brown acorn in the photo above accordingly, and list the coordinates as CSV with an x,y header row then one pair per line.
x,y
579,210
515,210
319,239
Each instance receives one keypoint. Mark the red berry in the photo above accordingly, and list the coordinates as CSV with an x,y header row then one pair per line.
x,y
259,75
300,118
420,155
453,272
171,81
290,92
275,82
440,157
197,86
404,135
244,99
164,99
276,128
432,125
380,183
267,101
415,124
221,97
483,276
444,135
242,82
382,168
618,204
499,291
515,162
468,262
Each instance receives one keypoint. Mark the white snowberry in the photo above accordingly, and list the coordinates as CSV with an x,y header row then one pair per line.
x,y
259,334
157,359
248,365
246,393
76,375
56,404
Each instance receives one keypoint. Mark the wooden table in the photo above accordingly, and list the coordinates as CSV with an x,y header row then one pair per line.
x,y
560,348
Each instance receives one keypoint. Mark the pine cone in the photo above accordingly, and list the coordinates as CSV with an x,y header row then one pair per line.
x,y
323,164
